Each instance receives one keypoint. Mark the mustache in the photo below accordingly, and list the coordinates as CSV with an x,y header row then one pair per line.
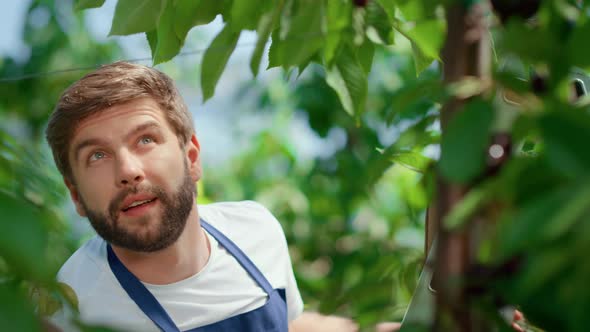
x,y
116,203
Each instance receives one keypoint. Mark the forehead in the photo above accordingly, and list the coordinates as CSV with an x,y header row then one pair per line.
x,y
120,118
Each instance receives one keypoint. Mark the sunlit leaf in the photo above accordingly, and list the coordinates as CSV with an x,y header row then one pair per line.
x,y
134,16
428,36
417,10
412,160
216,58
421,60
464,142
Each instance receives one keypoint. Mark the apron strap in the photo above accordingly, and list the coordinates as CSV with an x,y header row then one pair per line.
x,y
240,256
140,294
146,301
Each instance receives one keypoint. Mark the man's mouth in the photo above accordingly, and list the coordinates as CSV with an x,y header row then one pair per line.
x,y
138,203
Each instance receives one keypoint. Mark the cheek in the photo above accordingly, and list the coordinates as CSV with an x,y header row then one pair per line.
x,y
164,162
96,191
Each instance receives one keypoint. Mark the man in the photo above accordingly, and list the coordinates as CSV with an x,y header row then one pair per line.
x,y
124,141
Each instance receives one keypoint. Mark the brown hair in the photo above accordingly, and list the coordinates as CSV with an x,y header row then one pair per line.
x,y
113,84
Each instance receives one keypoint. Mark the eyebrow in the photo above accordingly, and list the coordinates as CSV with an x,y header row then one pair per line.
x,y
100,141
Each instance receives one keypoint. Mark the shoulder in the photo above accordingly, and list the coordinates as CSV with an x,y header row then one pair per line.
x,y
256,232
85,269
235,218
101,299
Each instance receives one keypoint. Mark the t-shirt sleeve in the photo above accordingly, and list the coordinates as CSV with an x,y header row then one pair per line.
x,y
294,300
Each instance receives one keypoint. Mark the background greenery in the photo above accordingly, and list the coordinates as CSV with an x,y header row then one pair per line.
x,y
356,237
354,214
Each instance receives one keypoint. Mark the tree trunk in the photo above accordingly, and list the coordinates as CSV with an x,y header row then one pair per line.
x,y
466,53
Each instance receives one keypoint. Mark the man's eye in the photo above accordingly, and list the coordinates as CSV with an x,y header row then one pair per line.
x,y
97,156
146,140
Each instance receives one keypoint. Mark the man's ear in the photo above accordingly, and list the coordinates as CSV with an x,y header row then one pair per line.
x,y
193,152
75,197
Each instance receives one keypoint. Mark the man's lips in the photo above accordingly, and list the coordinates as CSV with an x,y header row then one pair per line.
x,y
136,201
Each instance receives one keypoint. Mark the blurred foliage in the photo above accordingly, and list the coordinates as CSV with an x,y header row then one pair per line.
x,y
350,217
36,237
355,224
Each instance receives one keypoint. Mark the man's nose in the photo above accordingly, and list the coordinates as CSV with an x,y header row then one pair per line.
x,y
129,169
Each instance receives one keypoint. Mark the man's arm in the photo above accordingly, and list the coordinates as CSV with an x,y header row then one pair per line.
x,y
312,321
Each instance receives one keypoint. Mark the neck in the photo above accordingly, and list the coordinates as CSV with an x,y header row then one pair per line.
x,y
184,258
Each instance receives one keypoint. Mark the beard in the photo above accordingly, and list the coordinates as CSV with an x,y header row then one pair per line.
x,y
176,208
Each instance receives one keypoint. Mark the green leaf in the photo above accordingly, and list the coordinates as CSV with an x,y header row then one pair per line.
x,y
338,18
546,218
426,38
245,15
266,24
411,10
152,38
190,13
389,7
530,44
364,54
301,35
412,160
16,314
464,142
23,238
405,150
417,10
215,59
168,44
379,25
462,211
421,60
429,36
415,99
348,78
87,4
578,48
134,16
566,134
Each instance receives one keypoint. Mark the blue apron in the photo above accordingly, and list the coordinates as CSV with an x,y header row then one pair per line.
x,y
272,316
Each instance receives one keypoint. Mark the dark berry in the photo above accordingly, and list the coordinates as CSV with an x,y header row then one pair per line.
x,y
538,84
360,3
523,9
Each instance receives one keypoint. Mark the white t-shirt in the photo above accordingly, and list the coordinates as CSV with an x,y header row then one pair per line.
x,y
222,289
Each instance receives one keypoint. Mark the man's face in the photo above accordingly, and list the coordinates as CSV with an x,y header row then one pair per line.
x,y
132,178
